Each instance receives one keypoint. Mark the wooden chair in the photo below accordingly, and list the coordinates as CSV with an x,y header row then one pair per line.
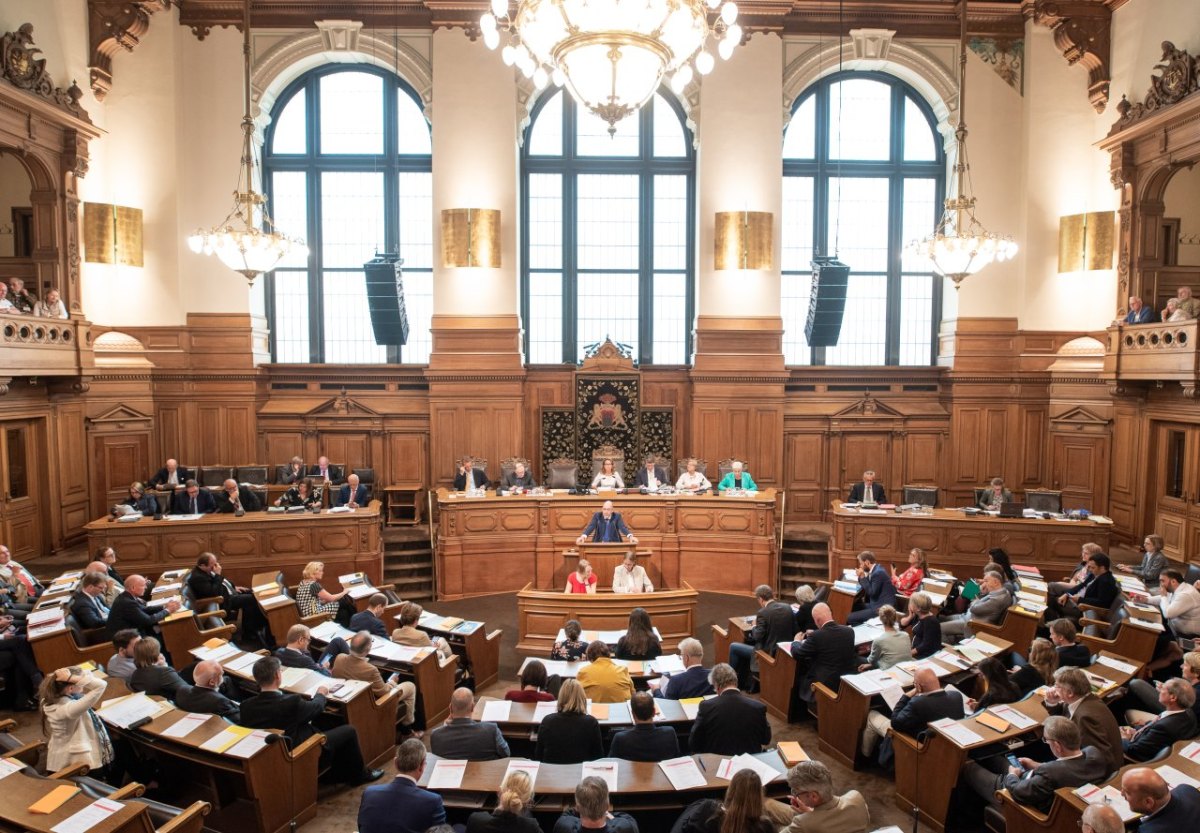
x,y
1132,641
1020,818
509,464
681,466
13,747
608,452
213,477
67,647
253,475
724,467
562,474
924,495
1018,627
182,634
1044,500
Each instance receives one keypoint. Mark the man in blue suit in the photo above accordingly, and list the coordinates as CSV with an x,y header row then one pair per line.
x,y
402,806
1138,313
352,493
876,584
193,500
606,527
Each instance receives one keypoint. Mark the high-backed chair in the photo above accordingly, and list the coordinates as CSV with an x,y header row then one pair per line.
x,y
509,464
608,452
1044,500
282,470
562,474
366,477
215,476
924,495
724,467
701,466
480,463
252,475
164,501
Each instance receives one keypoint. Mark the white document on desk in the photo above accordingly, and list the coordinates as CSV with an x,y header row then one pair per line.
x,y
957,732
1191,752
8,766
95,813
542,709
530,767
185,725
891,695
683,773
126,710
247,746
242,664
731,766
1174,777
497,711
671,664
1016,718
447,775
1117,665
864,683
690,710
602,769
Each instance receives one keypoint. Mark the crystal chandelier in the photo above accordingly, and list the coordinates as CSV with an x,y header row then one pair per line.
x,y
960,246
246,240
612,54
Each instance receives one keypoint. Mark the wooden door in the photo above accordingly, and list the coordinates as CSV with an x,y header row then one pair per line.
x,y
20,489
1177,487
1080,468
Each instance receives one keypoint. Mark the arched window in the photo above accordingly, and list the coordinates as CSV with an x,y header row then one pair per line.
x,y
347,166
863,174
607,233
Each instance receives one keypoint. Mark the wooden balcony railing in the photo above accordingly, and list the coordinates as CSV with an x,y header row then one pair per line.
x,y
31,346
1155,353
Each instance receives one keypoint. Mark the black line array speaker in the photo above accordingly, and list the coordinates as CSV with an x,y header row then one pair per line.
x,y
385,299
827,303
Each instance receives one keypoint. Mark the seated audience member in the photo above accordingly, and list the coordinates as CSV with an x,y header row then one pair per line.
x,y
806,598
1154,561
606,527
651,476
22,299
355,666
302,493
23,586
234,499
204,695
1101,818
295,653
1066,644
401,806
16,653
312,598
1072,697
531,685
692,481
999,561
275,709
1000,688
1175,722
112,587
1187,303
909,581
630,577
927,629
692,681
518,480
370,620
1180,604
469,477
737,478
462,738
989,606
817,809
409,634
138,501
1033,783
352,494
121,664
513,808
294,472
193,500
51,306
322,472
876,587
593,811
608,477
1146,694
6,305
75,735
1078,574
774,622
730,723
913,712
1138,313
206,581
741,811
645,741
130,610
1039,669
602,679
1174,313
892,647
151,673
639,641
108,556
582,579
572,647
170,476
569,735
867,488
1164,810
824,655
1099,589
995,496
87,603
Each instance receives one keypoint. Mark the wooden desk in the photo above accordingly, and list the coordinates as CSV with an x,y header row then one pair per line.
x,y
21,790
499,544
959,543
479,649
639,671
346,542
540,614
522,724
605,558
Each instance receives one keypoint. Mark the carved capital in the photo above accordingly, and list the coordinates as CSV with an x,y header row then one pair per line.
x,y
1082,32
114,25
1190,390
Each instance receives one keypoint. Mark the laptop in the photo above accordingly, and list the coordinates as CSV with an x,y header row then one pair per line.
x,y
1012,510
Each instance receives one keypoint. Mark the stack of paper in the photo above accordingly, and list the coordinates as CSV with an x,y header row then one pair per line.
x,y
1174,777
185,725
447,775
242,664
94,814
670,664
731,766
606,769
224,739
8,766
1117,665
959,733
530,767
1109,795
251,743
683,773
1016,718
542,709
1191,752
124,711
497,711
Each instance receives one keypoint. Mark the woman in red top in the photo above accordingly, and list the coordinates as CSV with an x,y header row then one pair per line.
x,y
910,580
583,580
533,685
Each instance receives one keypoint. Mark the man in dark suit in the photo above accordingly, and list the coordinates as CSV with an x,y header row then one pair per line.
x,y
170,476
462,737
368,620
914,712
1175,722
876,584
606,527
323,472
205,581
1100,589
1033,784
469,477
730,723
234,499
868,486
824,655
130,611
1072,697
774,623
205,697
273,709
650,476
645,741
693,680
1070,652
352,493
295,653
518,478
1164,810
401,806
87,603
193,500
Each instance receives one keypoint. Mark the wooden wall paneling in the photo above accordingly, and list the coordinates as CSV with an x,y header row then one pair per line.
x,y
862,451
994,442
350,448
69,450
239,432
1081,471
407,458
281,446
922,458
967,426
117,461
170,432
804,463
1031,468
1127,473
208,445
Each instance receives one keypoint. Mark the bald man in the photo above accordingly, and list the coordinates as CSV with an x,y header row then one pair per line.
x,y
352,494
823,655
113,589
1100,818
927,702
462,738
170,476
236,500
204,696
1163,810
130,610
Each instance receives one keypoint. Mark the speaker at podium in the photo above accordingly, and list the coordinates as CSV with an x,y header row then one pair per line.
x,y
826,302
385,299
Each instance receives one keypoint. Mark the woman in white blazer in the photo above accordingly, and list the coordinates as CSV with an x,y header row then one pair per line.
x,y
76,735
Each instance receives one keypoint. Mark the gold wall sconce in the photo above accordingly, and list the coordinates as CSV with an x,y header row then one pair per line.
x,y
112,234
471,237
744,240
1085,241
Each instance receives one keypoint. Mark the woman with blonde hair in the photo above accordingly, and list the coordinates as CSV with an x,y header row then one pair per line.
x,y
909,581
75,735
570,735
312,598
582,579
691,480
514,800
891,647
1039,671
608,477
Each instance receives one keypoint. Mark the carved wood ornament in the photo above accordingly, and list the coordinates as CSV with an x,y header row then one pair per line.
x,y
114,25
24,70
1081,31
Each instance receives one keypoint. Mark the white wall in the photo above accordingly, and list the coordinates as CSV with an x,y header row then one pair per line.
x,y
15,187
1182,200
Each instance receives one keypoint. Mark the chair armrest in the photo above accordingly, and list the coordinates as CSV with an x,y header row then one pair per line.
x,y
7,724
190,820
28,753
824,692
131,790
984,627
720,630
69,772
315,619
211,600
1101,611
495,634
1086,621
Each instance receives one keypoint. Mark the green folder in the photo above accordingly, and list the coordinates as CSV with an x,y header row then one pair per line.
x,y
970,589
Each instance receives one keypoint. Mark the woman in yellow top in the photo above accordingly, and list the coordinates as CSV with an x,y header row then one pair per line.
x,y
603,680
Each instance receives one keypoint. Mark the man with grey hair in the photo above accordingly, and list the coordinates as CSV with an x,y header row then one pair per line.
x,y
462,737
356,666
1101,818
1033,783
1177,721
592,811
730,723
1072,697
402,806
693,680
990,606
816,808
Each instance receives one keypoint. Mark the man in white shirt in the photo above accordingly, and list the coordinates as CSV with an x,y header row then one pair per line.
x,y
630,577
5,304
1180,603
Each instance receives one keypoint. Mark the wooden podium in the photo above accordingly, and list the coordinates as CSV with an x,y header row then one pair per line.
x,y
605,558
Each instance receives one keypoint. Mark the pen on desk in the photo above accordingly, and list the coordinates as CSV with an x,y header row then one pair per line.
x,y
702,766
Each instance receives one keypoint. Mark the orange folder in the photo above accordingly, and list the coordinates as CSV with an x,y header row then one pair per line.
x,y
54,799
